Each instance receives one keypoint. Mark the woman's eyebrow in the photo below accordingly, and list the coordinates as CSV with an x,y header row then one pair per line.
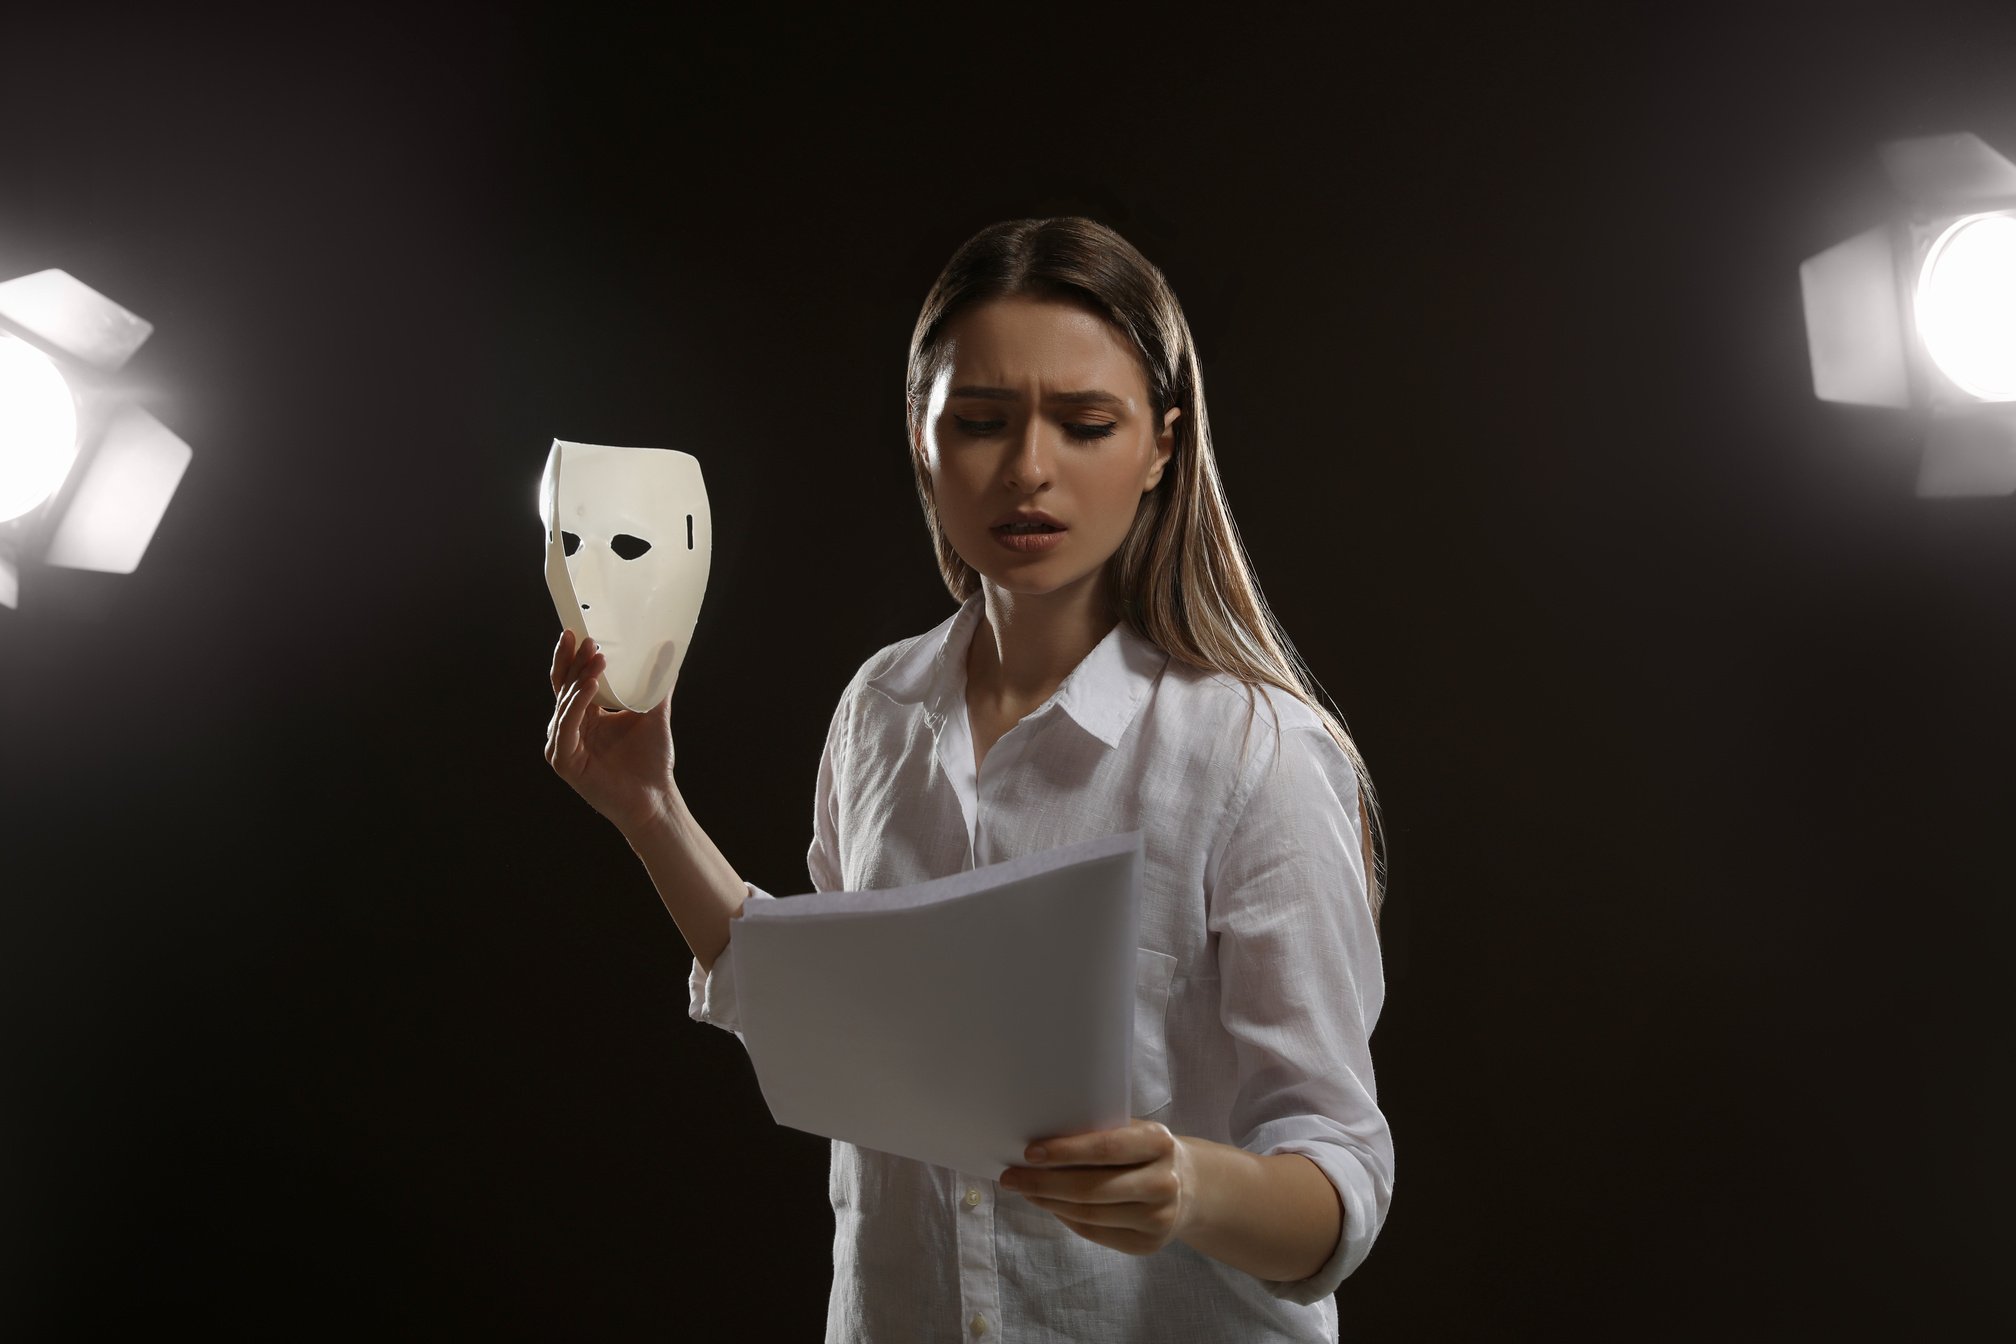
x,y
1091,397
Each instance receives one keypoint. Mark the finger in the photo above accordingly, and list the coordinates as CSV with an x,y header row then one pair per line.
x,y
586,662
573,711
583,651
593,670
563,654
1135,1142
558,747
585,705
1088,1185
555,726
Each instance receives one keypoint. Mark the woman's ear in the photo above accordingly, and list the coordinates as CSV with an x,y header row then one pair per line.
x,y
1165,447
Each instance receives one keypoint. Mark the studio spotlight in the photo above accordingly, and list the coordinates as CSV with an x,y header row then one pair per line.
x,y
38,425
1919,313
1966,305
85,475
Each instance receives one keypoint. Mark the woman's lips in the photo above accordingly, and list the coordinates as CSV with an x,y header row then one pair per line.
x,y
1028,543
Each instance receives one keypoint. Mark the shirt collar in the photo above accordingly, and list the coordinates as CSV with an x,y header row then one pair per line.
x,y
1102,694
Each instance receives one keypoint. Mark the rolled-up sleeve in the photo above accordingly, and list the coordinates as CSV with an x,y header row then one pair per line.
x,y
711,993
1301,984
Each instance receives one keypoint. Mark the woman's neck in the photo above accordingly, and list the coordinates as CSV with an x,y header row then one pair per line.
x,y
1025,645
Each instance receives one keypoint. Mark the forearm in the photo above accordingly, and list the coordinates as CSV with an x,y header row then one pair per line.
x,y
699,887
1277,1217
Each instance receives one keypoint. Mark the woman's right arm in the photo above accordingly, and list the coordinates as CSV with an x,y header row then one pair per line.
x,y
621,763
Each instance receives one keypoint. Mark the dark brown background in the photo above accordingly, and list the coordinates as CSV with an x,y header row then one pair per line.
x,y
329,1011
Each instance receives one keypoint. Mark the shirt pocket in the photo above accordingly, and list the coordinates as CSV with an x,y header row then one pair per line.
x,y
1154,973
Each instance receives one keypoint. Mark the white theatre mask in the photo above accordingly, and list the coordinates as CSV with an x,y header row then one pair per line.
x,y
628,543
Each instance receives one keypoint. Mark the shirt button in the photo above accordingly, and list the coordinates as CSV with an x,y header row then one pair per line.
x,y
979,1326
973,1202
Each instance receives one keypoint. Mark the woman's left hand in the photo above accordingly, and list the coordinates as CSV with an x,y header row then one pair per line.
x,y
1133,1188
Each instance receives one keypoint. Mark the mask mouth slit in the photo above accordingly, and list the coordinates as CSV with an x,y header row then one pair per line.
x,y
689,531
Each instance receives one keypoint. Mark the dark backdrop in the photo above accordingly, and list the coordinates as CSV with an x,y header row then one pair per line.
x,y
329,1010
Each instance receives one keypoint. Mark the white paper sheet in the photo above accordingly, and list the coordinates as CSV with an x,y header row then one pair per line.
x,y
956,1021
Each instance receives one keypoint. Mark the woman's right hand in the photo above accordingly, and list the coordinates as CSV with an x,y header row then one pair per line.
x,y
620,761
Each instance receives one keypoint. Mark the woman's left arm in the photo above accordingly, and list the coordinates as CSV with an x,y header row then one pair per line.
x,y
1300,1200
1140,1187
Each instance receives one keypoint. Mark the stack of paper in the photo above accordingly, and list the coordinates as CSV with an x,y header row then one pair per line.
x,y
955,1021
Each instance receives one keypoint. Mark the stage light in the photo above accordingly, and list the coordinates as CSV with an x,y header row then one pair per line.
x,y
38,428
85,475
1919,313
1966,306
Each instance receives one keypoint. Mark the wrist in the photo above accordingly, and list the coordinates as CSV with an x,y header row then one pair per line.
x,y
658,818
1200,1167
1275,1216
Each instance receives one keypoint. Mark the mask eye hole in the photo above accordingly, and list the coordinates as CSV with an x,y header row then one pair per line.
x,y
570,542
627,546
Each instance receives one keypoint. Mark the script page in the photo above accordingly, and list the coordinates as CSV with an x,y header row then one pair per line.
x,y
955,1021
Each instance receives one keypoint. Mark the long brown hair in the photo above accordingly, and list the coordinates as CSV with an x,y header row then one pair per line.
x,y
1182,576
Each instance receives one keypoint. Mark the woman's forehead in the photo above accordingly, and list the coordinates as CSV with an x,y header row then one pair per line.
x,y
1045,342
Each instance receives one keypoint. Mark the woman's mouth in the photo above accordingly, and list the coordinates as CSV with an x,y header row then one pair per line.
x,y
1029,537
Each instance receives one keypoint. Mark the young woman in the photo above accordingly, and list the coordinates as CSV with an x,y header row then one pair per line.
x,y
1104,672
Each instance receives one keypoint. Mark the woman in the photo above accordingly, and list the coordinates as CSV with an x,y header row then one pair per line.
x,y
1103,673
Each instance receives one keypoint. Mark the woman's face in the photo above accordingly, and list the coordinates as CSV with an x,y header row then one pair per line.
x,y
1041,406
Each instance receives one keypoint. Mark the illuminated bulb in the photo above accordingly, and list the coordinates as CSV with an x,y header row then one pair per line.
x,y
38,428
1967,306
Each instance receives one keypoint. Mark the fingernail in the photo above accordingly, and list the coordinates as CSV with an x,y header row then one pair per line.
x,y
1038,1153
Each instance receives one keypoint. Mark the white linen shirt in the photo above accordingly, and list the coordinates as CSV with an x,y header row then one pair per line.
x,y
1258,980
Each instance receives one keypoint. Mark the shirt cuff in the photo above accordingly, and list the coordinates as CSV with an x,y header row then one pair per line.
x,y
711,993
1362,1192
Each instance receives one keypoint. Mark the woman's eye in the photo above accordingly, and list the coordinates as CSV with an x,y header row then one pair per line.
x,y
979,428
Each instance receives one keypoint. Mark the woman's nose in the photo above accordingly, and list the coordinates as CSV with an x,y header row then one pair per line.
x,y
1029,465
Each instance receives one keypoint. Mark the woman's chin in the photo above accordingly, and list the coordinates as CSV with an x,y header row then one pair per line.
x,y
1027,580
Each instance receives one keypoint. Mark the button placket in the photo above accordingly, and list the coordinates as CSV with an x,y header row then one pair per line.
x,y
1005,751
952,745
979,1272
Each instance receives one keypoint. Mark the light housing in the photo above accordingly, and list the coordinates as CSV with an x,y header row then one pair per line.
x,y
1919,313
91,490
